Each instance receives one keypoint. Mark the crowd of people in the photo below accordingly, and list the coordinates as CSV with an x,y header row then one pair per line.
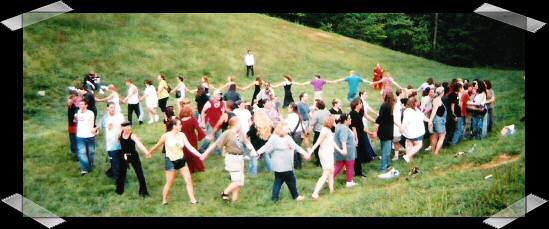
x,y
428,118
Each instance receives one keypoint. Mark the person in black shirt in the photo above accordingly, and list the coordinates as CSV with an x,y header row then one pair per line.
x,y
201,98
455,106
385,130
360,136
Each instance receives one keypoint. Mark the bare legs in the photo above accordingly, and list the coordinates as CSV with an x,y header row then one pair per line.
x,y
233,188
436,142
170,180
412,147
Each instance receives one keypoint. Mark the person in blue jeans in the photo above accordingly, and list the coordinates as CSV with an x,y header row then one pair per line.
x,y
385,129
85,137
456,110
112,123
281,147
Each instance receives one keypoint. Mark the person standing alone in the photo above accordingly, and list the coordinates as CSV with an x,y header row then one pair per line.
x,y
250,62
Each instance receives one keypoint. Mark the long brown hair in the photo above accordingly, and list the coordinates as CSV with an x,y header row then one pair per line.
x,y
390,98
289,78
259,80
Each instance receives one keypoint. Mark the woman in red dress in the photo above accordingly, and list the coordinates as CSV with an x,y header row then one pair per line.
x,y
378,74
193,132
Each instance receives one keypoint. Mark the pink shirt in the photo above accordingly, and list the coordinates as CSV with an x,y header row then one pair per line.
x,y
318,84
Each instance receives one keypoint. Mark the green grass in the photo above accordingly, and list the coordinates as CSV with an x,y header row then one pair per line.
x,y
139,46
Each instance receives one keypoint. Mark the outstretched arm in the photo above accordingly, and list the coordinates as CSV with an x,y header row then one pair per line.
x,y
191,147
104,99
320,139
140,145
158,145
394,82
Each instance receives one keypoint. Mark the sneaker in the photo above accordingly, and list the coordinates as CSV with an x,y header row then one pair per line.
x,y
156,118
350,184
299,198
315,196
428,148
140,122
385,175
83,173
150,121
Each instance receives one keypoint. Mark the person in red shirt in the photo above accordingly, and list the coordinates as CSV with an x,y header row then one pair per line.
x,y
191,129
467,90
211,113
378,73
72,109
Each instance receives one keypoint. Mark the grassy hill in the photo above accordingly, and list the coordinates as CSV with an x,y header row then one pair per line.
x,y
60,50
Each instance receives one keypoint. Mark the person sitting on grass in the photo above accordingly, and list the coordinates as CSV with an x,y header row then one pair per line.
x,y
233,143
281,148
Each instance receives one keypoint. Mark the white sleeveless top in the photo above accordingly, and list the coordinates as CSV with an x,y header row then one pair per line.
x,y
174,146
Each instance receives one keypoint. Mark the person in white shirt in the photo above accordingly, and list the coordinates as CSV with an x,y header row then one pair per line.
x,y
113,97
295,127
132,99
151,99
112,123
85,137
250,62
244,116
412,128
180,92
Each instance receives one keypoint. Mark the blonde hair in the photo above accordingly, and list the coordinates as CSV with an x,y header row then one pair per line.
x,y
281,129
329,122
263,124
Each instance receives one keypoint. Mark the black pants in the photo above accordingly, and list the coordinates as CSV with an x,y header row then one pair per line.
x,y
133,159
290,180
131,109
249,69
162,103
297,156
315,138
361,154
450,130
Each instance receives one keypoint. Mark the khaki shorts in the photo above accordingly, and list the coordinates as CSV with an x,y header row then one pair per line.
x,y
234,164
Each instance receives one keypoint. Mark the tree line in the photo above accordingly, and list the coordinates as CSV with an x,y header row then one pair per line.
x,y
460,39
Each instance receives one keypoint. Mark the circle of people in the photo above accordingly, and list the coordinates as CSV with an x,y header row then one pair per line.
x,y
239,130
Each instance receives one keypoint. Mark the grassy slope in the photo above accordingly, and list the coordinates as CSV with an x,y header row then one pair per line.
x,y
138,46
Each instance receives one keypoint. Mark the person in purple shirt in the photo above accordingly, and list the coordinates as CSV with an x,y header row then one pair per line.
x,y
318,85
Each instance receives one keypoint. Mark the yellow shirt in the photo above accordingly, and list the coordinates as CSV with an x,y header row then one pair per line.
x,y
162,90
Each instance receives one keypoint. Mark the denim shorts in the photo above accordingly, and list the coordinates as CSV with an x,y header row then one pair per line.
x,y
439,127
173,165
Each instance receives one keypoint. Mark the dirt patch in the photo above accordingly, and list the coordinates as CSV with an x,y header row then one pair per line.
x,y
502,159
317,35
